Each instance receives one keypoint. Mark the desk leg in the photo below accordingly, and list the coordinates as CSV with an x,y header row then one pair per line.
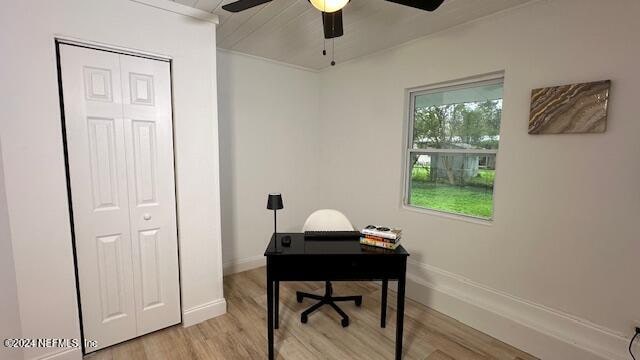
x,y
277,305
270,314
400,319
383,310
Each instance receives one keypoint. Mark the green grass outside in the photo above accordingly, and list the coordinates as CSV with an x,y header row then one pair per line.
x,y
474,199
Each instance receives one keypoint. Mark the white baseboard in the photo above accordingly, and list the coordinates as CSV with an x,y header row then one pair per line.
x,y
200,313
240,265
64,354
541,331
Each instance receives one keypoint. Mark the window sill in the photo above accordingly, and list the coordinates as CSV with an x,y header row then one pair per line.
x,y
451,216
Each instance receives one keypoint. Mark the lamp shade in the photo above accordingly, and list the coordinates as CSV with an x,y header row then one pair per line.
x,y
274,201
329,6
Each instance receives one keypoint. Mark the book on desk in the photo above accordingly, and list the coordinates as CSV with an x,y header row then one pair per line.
x,y
381,236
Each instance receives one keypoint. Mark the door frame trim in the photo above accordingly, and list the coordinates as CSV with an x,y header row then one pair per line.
x,y
94,45
88,44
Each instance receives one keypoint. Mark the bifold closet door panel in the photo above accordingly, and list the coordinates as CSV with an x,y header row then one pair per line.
x,y
149,147
118,128
99,191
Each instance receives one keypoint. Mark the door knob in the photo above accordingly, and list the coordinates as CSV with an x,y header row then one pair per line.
x,y
146,216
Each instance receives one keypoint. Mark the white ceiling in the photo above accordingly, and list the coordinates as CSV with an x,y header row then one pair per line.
x,y
291,30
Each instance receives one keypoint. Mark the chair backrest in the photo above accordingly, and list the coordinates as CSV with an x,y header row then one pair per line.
x,y
327,220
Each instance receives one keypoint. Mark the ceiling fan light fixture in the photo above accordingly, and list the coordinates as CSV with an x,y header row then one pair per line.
x,y
328,6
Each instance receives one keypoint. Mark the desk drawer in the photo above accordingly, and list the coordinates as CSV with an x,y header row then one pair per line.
x,y
343,267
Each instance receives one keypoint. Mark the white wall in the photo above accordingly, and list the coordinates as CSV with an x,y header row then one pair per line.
x,y
31,135
268,143
9,311
561,256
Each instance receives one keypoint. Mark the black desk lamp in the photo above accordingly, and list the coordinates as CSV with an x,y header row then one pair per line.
x,y
274,202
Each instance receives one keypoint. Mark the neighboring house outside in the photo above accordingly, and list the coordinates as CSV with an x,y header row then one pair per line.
x,y
456,168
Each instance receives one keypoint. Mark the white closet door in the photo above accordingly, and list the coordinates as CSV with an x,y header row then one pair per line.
x,y
149,138
120,150
98,173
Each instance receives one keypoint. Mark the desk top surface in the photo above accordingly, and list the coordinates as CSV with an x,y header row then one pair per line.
x,y
300,246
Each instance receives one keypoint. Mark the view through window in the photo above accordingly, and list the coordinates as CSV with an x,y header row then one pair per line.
x,y
454,137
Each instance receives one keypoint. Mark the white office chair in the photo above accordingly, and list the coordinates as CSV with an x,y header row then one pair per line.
x,y
327,220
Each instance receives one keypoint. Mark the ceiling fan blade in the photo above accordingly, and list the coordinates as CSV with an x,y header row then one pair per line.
x,y
241,5
332,23
427,5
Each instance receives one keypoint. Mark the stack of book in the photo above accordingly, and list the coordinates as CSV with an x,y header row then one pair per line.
x,y
381,236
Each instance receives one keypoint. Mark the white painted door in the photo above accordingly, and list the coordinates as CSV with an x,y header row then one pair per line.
x,y
148,137
120,148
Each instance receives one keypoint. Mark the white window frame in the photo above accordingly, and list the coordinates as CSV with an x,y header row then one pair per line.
x,y
489,79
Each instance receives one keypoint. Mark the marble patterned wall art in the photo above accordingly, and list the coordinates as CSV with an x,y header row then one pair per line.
x,y
570,109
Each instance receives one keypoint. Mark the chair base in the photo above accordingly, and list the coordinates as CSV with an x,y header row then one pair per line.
x,y
327,299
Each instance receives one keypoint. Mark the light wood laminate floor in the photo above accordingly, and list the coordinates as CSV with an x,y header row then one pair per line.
x,y
242,333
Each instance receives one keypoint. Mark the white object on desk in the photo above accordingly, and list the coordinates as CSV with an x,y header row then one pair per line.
x,y
327,220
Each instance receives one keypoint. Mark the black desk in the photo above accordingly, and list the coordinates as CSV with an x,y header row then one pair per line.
x,y
333,260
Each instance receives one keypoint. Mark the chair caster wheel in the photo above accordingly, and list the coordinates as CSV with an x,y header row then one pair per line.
x,y
303,319
299,298
345,322
358,302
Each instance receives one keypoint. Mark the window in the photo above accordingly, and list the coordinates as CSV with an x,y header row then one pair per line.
x,y
454,133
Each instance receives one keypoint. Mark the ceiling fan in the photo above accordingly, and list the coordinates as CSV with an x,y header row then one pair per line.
x,y
332,11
